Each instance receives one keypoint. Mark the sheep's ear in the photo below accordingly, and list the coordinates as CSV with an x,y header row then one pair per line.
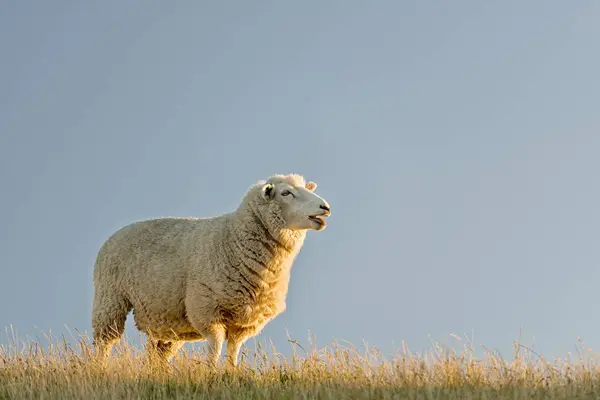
x,y
311,186
268,191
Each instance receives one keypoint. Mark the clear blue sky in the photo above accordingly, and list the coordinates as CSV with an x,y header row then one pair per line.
x,y
457,142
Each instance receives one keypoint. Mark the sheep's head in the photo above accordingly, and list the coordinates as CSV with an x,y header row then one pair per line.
x,y
294,202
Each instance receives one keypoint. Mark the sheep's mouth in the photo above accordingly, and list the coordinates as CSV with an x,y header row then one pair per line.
x,y
319,220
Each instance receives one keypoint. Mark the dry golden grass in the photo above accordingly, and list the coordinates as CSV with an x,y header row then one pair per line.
x,y
61,369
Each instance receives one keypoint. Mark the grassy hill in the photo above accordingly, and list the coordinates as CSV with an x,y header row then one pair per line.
x,y
62,369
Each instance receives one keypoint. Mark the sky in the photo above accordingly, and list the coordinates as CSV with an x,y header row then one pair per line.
x,y
457,143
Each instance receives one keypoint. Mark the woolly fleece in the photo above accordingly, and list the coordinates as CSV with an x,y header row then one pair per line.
x,y
187,279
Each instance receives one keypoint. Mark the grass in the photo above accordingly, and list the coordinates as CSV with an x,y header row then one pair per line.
x,y
61,369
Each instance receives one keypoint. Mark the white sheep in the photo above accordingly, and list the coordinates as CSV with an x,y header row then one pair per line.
x,y
215,279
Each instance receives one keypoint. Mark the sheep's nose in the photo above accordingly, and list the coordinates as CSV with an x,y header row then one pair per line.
x,y
325,207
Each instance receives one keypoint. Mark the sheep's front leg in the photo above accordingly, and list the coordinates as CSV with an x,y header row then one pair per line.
x,y
235,339
215,334
204,317
233,350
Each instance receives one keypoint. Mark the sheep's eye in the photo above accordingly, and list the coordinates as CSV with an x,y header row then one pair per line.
x,y
286,193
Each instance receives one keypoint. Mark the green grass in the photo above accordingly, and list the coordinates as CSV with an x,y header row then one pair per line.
x,y
63,369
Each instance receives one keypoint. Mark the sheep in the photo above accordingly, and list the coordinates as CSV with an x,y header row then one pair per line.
x,y
214,279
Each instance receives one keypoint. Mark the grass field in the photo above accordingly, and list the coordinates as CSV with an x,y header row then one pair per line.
x,y
61,369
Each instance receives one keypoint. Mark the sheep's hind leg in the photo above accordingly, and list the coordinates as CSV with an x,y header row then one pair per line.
x,y
108,321
160,352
